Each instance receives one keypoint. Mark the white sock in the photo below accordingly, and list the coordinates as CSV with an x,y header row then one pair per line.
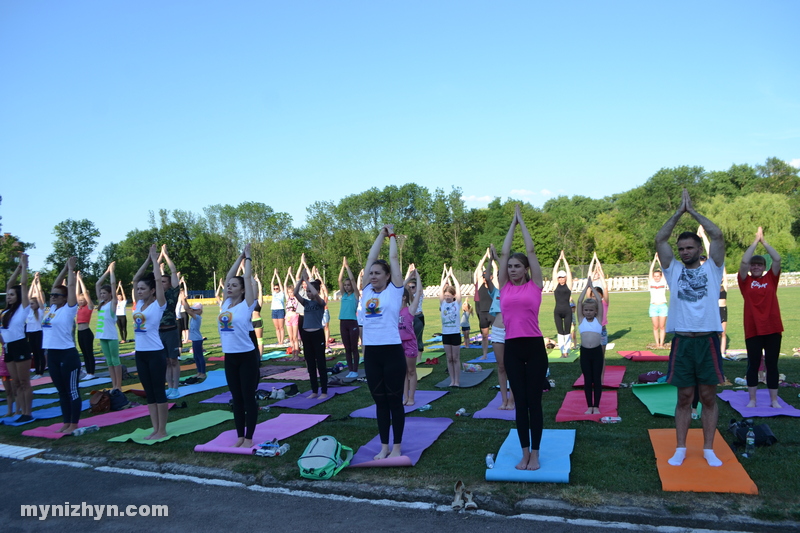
x,y
711,458
680,455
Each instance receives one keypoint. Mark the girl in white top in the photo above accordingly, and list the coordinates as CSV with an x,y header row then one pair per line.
x,y
106,330
449,306
658,303
12,328
122,319
241,356
151,359
384,362
278,307
58,340
592,360
33,326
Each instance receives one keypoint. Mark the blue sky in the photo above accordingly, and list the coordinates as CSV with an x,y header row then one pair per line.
x,y
111,109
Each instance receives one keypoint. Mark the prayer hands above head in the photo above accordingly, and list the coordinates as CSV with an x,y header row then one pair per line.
x,y
246,251
154,255
760,235
493,252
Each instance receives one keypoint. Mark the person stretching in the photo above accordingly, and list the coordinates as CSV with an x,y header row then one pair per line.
x,y
106,322
449,305
592,361
348,321
313,335
563,312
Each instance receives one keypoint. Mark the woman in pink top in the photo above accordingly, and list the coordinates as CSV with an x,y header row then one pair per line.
x,y
526,356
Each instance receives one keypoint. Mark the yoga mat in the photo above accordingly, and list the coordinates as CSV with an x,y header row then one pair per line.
x,y
427,356
45,380
216,358
611,378
468,379
694,475
302,401
739,399
418,435
421,398
38,402
492,411
270,370
281,427
490,358
299,373
190,424
214,380
659,398
81,385
554,452
225,397
41,414
555,357
643,356
574,406
423,372
436,347
103,420
277,354
437,338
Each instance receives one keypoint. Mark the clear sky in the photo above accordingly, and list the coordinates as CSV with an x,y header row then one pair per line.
x,y
111,109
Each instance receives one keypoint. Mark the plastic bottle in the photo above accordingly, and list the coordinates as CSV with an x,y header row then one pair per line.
x,y
461,412
264,408
489,460
750,441
283,449
740,381
611,419
426,407
83,431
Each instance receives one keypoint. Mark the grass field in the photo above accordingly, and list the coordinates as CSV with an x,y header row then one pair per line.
x,y
611,463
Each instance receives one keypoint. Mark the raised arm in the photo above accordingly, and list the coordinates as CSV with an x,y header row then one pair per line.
x,y
141,271
82,290
376,247
173,271
360,283
121,289
259,290
234,268
492,270
72,296
478,275
663,247
533,260
583,296
154,255
100,282
773,253
353,284
506,252
14,275
716,249
652,269
185,303
23,280
249,295
414,303
456,285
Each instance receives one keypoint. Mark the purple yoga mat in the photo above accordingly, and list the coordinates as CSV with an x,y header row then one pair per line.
x,y
301,401
418,434
281,427
106,419
739,399
492,411
421,398
225,397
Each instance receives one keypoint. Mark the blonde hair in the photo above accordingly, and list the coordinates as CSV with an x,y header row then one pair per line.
x,y
467,306
590,301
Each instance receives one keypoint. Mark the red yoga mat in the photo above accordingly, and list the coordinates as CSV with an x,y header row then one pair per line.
x,y
574,407
611,378
645,355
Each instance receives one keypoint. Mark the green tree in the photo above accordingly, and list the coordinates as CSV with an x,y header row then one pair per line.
x,y
10,248
74,238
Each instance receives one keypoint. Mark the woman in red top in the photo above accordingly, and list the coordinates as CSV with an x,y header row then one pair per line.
x,y
762,316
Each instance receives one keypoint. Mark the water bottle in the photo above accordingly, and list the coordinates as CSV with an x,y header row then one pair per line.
x,y
282,450
750,441
264,408
426,407
461,412
489,460
740,381
84,430
611,419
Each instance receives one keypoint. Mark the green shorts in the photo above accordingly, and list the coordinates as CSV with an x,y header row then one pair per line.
x,y
695,361
110,350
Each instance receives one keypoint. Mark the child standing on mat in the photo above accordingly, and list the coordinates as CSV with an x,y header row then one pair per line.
x,y
409,338
195,323
592,361
313,334
466,313
449,304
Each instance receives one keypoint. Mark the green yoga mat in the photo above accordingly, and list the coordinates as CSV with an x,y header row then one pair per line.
x,y
555,356
659,398
426,356
190,424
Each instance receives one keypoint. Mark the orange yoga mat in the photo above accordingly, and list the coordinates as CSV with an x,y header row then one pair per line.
x,y
694,475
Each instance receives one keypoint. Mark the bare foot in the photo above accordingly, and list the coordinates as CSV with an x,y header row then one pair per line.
x,y
159,436
62,430
776,405
482,358
395,451
751,404
511,406
247,443
69,428
533,462
597,410
323,395
312,395
523,465
410,401
151,436
383,453
504,407
238,443
589,411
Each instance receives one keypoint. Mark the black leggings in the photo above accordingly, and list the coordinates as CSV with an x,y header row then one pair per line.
x,y
64,368
770,346
86,344
563,317
241,372
314,353
152,369
385,367
122,326
592,368
35,343
348,329
526,365
419,327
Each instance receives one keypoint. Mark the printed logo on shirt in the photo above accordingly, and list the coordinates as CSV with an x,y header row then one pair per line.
x,y
449,316
693,285
373,308
225,321
100,322
139,323
756,285
48,318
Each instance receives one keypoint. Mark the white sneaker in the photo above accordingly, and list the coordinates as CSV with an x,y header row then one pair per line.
x,y
35,376
280,394
352,375
87,377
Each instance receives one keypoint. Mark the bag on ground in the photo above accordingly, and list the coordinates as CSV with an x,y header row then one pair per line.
x,y
100,402
323,459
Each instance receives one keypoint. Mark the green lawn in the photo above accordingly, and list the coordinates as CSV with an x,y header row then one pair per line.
x,y
611,463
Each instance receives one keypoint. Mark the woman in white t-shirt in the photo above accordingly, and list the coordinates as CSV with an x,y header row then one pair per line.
x,y
106,330
12,328
33,327
151,358
241,355
384,361
658,303
58,340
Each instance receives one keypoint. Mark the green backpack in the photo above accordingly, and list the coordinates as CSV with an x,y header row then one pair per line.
x,y
322,458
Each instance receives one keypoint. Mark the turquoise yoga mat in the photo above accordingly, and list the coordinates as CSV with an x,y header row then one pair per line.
x,y
554,458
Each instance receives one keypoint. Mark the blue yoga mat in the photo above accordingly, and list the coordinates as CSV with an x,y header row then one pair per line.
x,y
214,380
490,358
42,414
554,452
81,385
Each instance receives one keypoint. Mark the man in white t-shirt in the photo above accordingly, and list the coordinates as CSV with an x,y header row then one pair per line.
x,y
695,359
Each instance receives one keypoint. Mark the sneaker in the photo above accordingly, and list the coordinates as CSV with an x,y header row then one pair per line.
x,y
280,394
173,394
87,377
24,418
352,375
36,376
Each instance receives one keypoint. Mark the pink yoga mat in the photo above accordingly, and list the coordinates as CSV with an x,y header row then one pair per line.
x,y
106,419
575,405
418,435
643,356
298,373
492,411
281,427
35,382
612,377
302,401
421,398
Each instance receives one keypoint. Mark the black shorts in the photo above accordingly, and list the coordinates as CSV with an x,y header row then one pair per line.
x,y
723,314
452,339
18,350
485,319
258,323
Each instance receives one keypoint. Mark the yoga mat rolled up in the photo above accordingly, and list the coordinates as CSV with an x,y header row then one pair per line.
x,y
468,379
554,461
190,424
421,398
694,475
740,398
574,407
103,420
281,427
418,435
611,378
645,355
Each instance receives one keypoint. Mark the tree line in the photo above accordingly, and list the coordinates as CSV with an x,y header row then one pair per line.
x,y
436,227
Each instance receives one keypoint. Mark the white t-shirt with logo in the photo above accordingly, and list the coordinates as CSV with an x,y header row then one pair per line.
x,y
57,327
145,326
234,324
106,321
380,313
694,297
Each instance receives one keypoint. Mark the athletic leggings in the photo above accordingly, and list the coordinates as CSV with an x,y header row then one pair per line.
x,y
526,365
241,372
152,369
592,368
199,358
770,346
86,344
349,332
122,326
64,368
385,367
419,327
35,343
563,312
314,354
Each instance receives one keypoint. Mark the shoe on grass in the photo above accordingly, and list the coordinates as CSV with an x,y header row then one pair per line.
x,y
87,377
